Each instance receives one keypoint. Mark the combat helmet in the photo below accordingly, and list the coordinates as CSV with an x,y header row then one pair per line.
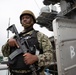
x,y
28,12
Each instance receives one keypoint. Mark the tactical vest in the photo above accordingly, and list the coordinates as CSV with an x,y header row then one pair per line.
x,y
18,62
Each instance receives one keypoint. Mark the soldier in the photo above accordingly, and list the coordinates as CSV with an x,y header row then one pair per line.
x,y
36,40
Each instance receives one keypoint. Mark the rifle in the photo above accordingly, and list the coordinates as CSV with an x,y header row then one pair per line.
x,y
22,47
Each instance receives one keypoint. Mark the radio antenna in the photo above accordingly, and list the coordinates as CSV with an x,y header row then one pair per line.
x,y
8,26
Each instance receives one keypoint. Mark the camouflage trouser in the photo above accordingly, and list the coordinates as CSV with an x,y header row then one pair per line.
x,y
24,74
20,74
41,73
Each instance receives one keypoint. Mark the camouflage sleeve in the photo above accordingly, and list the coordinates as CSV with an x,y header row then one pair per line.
x,y
45,44
5,50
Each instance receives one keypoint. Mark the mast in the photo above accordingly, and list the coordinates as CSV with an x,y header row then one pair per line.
x,y
8,31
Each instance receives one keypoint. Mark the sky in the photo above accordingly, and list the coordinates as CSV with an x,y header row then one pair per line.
x,y
10,11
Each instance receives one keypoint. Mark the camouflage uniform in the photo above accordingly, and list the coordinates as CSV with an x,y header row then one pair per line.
x,y
46,57
44,43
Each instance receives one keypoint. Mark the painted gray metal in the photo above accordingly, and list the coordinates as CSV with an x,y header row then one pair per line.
x,y
65,41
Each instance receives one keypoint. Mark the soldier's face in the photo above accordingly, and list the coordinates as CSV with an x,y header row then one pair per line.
x,y
26,21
